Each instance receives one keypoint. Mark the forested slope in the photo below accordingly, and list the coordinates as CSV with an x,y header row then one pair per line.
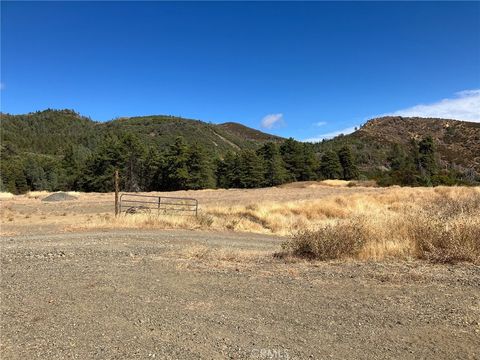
x,y
62,150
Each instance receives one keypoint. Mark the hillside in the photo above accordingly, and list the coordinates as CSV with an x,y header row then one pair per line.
x,y
249,134
45,132
63,150
457,142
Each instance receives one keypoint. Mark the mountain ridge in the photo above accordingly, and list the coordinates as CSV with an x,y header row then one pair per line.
x,y
457,141
43,131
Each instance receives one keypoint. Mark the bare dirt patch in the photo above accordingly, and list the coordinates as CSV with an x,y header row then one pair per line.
x,y
178,294
78,283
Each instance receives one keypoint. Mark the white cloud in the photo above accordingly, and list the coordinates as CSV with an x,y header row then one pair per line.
x,y
465,105
2,86
321,123
330,135
271,120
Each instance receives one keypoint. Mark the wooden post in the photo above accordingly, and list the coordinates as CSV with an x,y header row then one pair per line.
x,y
117,189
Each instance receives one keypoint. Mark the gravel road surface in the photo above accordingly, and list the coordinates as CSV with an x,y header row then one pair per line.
x,y
154,294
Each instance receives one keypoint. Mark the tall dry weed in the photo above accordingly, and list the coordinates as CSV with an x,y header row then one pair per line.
x,y
333,241
439,224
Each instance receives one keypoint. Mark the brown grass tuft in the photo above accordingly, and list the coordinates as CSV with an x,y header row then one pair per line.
x,y
448,243
209,254
439,224
442,226
334,241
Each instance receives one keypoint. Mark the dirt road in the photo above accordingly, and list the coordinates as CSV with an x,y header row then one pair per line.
x,y
190,295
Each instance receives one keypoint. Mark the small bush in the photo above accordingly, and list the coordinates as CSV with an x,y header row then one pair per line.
x,y
205,219
335,241
448,229
447,242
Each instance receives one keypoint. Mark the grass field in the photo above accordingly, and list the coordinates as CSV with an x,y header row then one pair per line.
x,y
320,220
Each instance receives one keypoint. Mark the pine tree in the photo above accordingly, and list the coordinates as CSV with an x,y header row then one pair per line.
x,y
294,158
330,167
35,175
152,176
221,173
251,174
427,161
396,157
13,175
199,169
228,171
71,168
101,165
133,155
349,169
275,172
309,165
176,165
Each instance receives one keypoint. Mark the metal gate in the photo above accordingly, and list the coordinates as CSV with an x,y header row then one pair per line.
x,y
135,203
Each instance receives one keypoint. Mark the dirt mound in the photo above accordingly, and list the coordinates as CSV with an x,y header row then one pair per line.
x,y
59,196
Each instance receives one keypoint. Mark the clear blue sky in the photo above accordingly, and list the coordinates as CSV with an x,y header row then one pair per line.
x,y
315,67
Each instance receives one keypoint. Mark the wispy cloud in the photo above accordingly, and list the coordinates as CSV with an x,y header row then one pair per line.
x,y
271,120
330,135
465,105
320,123
2,86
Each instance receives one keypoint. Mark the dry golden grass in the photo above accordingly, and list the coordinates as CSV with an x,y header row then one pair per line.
x,y
140,221
205,253
74,193
6,196
43,194
37,194
439,224
334,182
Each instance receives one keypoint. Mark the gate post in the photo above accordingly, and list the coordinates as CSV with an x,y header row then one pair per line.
x,y
117,188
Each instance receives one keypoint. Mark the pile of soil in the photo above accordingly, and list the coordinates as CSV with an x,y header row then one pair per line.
x,y
59,196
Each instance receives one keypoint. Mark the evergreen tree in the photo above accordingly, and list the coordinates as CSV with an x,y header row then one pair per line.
x,y
228,171
403,168
35,175
309,165
221,174
199,169
131,161
294,158
101,165
176,168
13,176
71,167
152,176
251,170
330,167
275,172
396,157
426,159
349,169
